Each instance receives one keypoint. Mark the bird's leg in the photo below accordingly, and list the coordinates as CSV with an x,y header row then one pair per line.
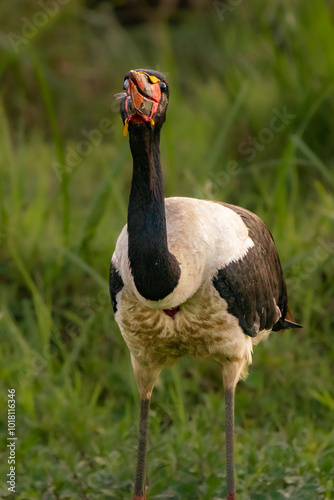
x,y
229,429
146,378
231,373
142,445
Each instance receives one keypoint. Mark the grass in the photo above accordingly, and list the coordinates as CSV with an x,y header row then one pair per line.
x,y
77,402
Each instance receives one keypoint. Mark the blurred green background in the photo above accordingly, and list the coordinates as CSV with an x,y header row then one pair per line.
x,y
250,122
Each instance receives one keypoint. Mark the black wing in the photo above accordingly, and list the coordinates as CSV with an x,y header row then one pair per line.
x,y
254,286
115,285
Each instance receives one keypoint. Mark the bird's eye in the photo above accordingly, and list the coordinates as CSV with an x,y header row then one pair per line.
x,y
162,85
126,84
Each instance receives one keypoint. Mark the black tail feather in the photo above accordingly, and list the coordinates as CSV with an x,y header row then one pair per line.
x,y
285,324
291,324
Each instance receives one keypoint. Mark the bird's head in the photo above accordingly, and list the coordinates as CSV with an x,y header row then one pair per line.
x,y
144,99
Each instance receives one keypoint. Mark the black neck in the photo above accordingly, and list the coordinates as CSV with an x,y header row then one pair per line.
x,y
155,270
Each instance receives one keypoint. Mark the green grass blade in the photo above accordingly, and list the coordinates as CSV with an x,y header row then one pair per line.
x,y
83,265
60,151
225,128
313,158
42,310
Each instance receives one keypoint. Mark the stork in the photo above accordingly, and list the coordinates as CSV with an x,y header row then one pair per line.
x,y
188,276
